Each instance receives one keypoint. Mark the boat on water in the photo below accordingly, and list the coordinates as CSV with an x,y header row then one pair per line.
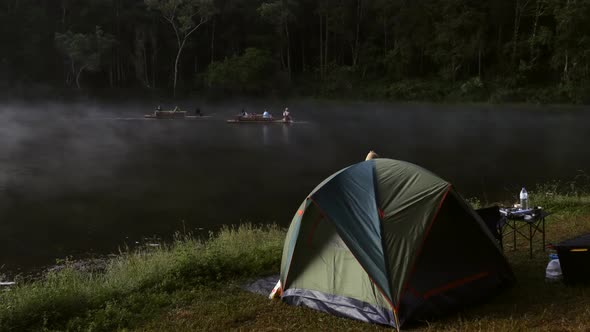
x,y
259,118
166,115
175,115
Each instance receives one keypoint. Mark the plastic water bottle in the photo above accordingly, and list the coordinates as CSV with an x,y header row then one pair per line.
x,y
553,271
524,199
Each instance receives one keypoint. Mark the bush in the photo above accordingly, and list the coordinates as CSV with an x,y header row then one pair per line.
x,y
253,72
418,90
474,90
339,80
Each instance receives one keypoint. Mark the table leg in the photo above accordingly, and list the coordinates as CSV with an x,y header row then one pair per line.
x,y
530,240
543,233
514,235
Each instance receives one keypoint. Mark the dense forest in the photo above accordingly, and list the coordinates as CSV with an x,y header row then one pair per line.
x,y
496,50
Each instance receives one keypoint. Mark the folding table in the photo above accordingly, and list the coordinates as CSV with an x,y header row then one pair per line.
x,y
518,221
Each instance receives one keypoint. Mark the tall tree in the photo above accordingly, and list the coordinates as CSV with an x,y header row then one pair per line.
x,y
520,7
325,11
459,38
572,44
84,51
280,13
185,17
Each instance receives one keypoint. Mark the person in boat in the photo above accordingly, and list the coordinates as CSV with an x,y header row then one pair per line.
x,y
266,115
243,114
158,108
286,115
198,112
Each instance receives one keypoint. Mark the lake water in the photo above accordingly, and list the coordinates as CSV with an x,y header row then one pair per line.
x,y
88,178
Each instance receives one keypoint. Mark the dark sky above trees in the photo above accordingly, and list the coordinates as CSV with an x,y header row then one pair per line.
x,y
254,45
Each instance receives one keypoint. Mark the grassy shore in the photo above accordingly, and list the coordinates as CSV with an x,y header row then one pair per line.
x,y
195,285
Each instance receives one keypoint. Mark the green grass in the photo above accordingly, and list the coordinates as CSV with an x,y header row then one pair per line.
x,y
532,304
194,285
137,284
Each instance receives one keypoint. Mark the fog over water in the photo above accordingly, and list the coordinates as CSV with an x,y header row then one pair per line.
x,y
78,178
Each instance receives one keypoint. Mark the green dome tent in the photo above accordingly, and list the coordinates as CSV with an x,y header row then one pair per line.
x,y
386,241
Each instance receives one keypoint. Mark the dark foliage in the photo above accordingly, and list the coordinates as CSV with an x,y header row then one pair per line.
x,y
500,50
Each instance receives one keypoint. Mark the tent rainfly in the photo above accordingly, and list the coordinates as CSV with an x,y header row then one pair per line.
x,y
388,242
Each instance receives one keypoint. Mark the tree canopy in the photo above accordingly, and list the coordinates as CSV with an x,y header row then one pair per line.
x,y
504,49
84,51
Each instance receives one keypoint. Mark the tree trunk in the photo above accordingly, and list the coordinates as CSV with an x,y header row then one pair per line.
x,y
118,66
453,69
73,65
139,56
326,46
303,69
212,41
283,63
145,69
479,62
180,47
355,53
288,51
384,35
124,71
181,43
112,74
538,12
154,42
499,44
78,76
321,49
516,27
565,67
63,15
118,36
518,9
422,59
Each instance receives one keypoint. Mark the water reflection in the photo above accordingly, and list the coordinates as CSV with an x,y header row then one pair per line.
x,y
285,130
266,140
